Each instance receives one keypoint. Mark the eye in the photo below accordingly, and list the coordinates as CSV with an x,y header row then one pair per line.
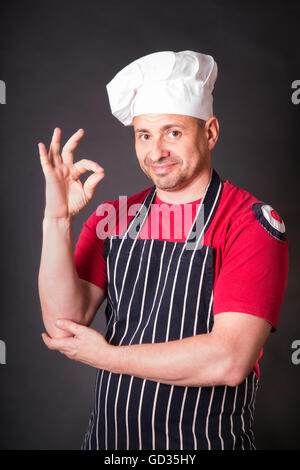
x,y
144,137
174,133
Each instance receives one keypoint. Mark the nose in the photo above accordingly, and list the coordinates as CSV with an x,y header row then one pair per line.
x,y
158,150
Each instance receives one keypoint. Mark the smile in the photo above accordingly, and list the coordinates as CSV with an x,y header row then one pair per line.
x,y
161,169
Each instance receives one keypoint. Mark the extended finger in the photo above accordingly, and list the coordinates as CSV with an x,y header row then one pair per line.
x,y
70,146
54,155
44,157
85,165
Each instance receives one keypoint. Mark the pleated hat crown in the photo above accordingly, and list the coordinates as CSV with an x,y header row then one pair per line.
x,y
164,82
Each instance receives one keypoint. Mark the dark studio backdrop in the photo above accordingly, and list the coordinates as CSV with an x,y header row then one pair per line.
x,y
56,58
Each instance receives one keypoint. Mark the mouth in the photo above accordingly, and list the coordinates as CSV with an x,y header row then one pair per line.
x,y
162,169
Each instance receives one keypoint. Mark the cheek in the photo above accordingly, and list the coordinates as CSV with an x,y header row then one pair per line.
x,y
142,155
141,158
138,153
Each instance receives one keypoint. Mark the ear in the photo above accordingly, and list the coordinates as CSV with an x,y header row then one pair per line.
x,y
212,131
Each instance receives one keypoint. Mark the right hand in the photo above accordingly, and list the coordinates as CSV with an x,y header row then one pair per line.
x,y
66,196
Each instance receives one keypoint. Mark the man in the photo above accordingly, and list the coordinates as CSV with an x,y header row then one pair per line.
x,y
188,312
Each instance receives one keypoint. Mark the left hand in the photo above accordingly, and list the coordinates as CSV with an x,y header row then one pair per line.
x,y
86,345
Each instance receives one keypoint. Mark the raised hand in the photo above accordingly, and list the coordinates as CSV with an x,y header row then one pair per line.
x,y
66,196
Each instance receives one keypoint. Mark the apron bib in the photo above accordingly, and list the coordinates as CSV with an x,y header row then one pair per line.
x,y
160,291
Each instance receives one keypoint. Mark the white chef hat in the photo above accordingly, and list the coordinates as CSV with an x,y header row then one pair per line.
x,y
164,83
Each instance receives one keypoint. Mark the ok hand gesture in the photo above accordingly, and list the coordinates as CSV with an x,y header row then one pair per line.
x,y
66,196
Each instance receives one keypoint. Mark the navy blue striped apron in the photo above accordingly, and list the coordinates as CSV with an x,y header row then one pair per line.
x,y
160,291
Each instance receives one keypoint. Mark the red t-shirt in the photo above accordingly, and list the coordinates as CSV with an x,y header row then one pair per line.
x,y
251,265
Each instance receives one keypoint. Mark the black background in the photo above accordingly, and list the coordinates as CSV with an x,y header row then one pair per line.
x,y
56,58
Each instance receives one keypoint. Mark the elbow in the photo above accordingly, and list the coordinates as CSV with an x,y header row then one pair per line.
x,y
235,373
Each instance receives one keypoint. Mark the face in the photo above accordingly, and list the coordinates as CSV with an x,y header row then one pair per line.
x,y
172,149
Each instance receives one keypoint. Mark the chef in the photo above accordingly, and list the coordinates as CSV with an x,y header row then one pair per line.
x,y
188,311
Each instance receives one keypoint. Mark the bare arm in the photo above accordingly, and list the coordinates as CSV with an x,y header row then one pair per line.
x,y
225,356
62,293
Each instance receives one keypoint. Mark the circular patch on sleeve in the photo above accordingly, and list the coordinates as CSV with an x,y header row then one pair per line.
x,y
270,220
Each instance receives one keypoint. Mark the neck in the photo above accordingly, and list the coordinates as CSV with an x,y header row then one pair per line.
x,y
193,191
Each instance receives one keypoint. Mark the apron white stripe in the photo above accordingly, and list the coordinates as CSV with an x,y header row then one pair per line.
x,y
210,213
207,418
194,419
167,417
115,414
180,419
153,416
92,422
200,207
242,414
108,271
139,416
250,405
105,410
220,418
199,294
209,311
231,421
126,414
97,427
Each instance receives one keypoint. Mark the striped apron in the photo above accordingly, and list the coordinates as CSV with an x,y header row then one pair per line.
x,y
160,291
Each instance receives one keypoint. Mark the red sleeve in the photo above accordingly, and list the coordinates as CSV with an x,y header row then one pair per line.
x,y
253,275
88,257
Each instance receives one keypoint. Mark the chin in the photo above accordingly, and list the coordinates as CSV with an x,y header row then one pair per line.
x,y
169,185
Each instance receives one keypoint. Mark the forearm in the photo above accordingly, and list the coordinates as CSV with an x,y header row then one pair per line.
x,y
193,361
60,289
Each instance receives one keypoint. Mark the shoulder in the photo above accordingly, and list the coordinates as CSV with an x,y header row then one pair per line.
x,y
239,210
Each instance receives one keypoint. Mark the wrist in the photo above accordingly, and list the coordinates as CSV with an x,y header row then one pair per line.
x,y
111,359
57,220
57,225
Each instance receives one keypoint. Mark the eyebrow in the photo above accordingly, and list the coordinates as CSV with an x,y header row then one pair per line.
x,y
163,128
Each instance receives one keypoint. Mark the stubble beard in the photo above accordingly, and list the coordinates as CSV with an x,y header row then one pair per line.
x,y
175,180
169,181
